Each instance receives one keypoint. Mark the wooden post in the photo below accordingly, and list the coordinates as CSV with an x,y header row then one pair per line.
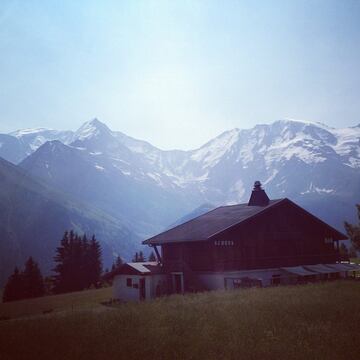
x,y
157,254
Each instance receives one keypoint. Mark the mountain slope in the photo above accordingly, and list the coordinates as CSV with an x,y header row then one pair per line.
x,y
96,178
200,210
33,218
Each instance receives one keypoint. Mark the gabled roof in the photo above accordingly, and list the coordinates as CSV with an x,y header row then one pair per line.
x,y
207,225
214,222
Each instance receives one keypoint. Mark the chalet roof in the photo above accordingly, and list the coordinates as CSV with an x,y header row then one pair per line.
x,y
207,225
212,223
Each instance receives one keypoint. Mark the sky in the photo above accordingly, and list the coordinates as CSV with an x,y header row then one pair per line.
x,y
178,73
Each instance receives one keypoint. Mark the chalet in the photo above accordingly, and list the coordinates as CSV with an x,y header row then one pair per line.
x,y
261,243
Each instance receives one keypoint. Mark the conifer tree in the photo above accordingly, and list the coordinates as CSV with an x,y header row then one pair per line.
x,y
62,268
353,231
352,252
135,258
344,253
118,262
84,263
141,257
95,265
32,280
14,287
152,256
78,261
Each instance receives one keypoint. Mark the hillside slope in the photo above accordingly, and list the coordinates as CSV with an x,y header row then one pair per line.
x,y
317,321
33,218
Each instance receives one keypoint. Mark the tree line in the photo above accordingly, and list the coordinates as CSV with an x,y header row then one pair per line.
x,y
78,263
78,266
24,284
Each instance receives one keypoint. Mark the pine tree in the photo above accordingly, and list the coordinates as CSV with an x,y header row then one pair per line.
x,y
79,263
353,231
152,256
62,259
84,263
139,257
32,280
14,287
95,265
352,252
135,258
344,253
118,262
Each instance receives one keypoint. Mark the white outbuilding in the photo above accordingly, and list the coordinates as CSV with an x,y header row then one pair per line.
x,y
139,281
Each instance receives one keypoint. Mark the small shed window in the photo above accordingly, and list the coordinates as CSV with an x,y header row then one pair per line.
x,y
129,282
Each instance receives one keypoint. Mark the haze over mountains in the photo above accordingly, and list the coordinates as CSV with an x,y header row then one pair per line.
x,y
145,189
33,217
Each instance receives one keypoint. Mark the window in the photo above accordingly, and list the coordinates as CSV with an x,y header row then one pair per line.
x,y
129,282
275,280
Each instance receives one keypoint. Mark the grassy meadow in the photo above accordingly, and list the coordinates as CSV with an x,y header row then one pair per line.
x,y
87,299
316,321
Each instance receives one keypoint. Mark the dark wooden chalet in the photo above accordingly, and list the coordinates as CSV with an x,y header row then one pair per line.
x,y
261,234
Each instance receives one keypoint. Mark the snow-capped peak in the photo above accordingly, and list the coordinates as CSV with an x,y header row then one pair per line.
x,y
90,129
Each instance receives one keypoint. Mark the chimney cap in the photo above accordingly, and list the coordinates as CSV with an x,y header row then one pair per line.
x,y
257,185
258,196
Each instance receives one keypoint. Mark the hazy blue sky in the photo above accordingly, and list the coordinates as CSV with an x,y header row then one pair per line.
x,y
177,73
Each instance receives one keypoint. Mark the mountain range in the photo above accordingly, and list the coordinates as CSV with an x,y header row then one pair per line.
x,y
145,189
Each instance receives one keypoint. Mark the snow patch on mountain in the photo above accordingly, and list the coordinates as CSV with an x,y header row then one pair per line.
x,y
30,131
314,189
211,153
98,167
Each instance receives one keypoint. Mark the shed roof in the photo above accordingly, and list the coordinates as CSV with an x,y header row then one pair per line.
x,y
352,266
220,219
298,270
320,268
143,267
339,267
139,268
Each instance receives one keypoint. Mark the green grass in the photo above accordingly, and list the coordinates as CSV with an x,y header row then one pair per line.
x,y
317,321
87,299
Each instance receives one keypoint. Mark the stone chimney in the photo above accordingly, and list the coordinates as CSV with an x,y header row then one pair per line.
x,y
258,196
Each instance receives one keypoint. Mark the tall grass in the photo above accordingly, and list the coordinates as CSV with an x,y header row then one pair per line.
x,y
318,321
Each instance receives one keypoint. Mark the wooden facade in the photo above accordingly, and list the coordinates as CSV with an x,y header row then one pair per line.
x,y
281,237
262,238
